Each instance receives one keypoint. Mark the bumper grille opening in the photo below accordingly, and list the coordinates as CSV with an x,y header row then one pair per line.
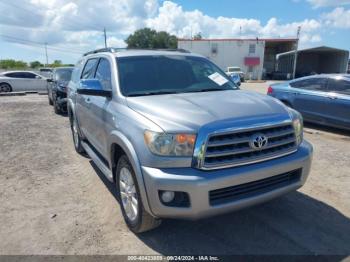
x,y
234,149
233,193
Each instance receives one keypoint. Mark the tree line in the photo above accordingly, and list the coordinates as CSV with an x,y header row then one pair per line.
x,y
18,64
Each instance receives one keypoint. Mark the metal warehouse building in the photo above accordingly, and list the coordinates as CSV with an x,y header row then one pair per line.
x,y
316,60
254,56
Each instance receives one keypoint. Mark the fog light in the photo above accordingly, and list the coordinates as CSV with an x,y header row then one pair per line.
x,y
167,196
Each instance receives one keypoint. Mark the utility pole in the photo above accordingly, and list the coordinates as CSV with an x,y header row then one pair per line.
x,y
105,35
47,58
296,52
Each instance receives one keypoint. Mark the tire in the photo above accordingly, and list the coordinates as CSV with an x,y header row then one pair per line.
x,y
5,88
76,137
130,199
56,108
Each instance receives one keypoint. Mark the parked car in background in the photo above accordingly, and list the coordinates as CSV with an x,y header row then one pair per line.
x,y
178,138
235,78
14,81
237,70
46,71
57,88
323,99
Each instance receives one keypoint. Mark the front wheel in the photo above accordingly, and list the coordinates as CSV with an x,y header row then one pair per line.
x,y
135,216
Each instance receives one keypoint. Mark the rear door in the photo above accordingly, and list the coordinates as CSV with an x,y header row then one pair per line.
x,y
83,102
339,101
311,99
17,80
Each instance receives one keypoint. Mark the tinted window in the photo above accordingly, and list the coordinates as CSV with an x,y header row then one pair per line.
x,y
89,69
141,75
339,86
21,75
103,73
63,74
316,84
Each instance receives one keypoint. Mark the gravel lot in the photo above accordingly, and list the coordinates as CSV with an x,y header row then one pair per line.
x,y
53,201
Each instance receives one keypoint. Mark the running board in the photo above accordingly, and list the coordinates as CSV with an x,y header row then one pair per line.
x,y
103,168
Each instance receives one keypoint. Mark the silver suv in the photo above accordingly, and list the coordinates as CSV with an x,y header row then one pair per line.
x,y
178,138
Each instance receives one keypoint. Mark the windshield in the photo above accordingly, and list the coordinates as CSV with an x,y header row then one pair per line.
x,y
63,74
150,75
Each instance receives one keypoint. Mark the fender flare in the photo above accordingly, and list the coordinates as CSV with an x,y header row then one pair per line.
x,y
121,140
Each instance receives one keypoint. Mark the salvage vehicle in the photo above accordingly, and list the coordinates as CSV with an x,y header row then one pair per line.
x,y
235,70
178,138
57,88
14,81
321,99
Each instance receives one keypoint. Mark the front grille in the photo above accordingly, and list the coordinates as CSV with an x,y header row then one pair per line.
x,y
233,193
234,149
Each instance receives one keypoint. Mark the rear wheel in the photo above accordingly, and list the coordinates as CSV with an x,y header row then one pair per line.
x,y
135,216
5,88
76,137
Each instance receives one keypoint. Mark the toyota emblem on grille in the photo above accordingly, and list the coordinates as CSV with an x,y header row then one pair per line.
x,y
258,141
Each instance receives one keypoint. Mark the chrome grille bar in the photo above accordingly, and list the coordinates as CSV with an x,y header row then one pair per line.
x,y
234,148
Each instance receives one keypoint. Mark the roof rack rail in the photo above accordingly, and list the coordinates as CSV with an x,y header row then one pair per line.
x,y
114,49
107,49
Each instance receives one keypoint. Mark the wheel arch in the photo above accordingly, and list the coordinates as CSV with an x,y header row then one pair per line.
x,y
119,145
11,89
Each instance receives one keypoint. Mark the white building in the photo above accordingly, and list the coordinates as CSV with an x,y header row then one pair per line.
x,y
254,56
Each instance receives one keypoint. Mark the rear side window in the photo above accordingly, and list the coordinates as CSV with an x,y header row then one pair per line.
x,y
339,86
103,73
314,84
89,69
21,75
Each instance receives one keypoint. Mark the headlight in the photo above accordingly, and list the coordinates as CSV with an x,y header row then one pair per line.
x,y
164,144
297,124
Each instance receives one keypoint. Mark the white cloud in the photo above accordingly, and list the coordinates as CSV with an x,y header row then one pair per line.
x,y
174,19
323,3
79,24
339,18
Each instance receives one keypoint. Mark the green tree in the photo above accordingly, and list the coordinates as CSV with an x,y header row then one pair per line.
x,y
197,36
12,64
149,38
35,64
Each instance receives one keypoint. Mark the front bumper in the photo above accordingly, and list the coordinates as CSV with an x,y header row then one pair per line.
x,y
198,183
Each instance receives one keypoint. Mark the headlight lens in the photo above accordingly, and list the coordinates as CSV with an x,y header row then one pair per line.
x,y
298,125
164,144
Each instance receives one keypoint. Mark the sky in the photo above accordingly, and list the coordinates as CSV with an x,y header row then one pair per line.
x,y
72,27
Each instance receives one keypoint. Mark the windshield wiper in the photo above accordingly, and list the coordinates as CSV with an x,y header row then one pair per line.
x,y
153,93
208,90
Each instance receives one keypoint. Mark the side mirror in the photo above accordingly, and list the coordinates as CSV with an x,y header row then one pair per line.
x,y
37,77
93,87
49,80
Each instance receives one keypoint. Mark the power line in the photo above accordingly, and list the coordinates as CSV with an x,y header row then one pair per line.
x,y
29,42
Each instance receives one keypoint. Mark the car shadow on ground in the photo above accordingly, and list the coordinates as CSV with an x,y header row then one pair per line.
x,y
293,224
328,129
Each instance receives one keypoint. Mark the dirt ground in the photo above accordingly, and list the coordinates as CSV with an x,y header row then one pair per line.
x,y
54,201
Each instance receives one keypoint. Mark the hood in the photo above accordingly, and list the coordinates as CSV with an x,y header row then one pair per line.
x,y
190,111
